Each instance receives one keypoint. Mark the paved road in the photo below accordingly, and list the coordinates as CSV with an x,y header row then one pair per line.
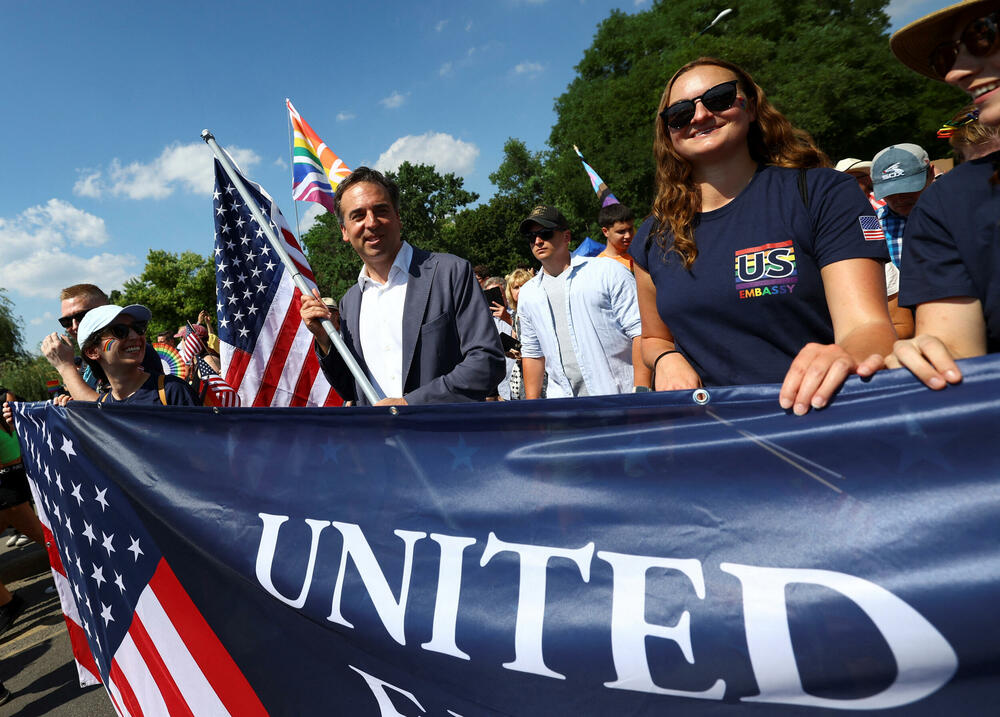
x,y
36,663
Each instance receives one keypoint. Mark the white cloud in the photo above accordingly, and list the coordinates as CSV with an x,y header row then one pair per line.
x,y
445,69
344,116
468,26
43,319
393,101
527,68
640,3
280,162
309,217
440,25
42,251
184,166
445,152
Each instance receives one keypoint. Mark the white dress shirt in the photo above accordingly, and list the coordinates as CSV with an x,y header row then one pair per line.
x,y
603,315
381,323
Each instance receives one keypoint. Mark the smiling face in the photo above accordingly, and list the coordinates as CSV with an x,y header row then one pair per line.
x,y
114,353
372,226
979,76
710,135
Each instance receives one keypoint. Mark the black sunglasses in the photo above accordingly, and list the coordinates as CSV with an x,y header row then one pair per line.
x,y
544,234
121,331
716,99
979,38
67,321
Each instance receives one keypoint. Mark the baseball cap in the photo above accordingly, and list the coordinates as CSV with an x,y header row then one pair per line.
x,y
96,319
545,216
898,169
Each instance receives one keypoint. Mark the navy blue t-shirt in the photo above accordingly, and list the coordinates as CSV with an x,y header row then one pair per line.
x,y
951,245
754,296
177,392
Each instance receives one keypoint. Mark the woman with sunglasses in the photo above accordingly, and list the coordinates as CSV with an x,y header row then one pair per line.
x,y
113,343
951,253
752,269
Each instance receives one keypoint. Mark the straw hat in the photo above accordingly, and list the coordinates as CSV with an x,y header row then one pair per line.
x,y
913,44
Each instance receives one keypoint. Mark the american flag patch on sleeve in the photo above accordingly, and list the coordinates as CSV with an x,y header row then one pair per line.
x,y
871,228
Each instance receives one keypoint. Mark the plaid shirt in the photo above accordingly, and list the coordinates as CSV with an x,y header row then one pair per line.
x,y
892,225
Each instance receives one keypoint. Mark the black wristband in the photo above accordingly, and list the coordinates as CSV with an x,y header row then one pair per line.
x,y
665,353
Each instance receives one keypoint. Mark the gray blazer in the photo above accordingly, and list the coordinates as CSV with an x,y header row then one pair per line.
x,y
451,348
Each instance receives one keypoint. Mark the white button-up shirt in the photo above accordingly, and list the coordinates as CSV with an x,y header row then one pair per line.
x,y
603,315
380,323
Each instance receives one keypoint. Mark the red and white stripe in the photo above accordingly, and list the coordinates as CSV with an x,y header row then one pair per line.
x,y
171,663
191,347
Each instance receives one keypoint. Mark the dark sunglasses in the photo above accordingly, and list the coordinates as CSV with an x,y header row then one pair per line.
x,y
67,321
979,38
544,234
716,99
121,331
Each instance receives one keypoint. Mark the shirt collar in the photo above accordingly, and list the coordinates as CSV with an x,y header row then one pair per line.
x,y
400,264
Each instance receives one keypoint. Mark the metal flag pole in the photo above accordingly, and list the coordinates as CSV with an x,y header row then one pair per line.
x,y
265,224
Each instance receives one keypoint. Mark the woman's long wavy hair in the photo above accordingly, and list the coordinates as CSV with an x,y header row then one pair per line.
x,y
772,141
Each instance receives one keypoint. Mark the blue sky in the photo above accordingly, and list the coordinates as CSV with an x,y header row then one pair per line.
x,y
101,154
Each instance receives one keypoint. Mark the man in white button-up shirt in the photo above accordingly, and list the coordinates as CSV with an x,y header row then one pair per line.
x,y
579,317
416,322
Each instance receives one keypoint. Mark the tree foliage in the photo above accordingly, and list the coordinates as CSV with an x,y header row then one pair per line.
x,y
10,330
174,288
825,64
26,376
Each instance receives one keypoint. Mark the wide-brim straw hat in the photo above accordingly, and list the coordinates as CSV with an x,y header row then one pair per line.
x,y
913,44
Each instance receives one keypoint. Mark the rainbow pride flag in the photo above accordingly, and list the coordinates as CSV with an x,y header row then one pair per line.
x,y
604,195
316,170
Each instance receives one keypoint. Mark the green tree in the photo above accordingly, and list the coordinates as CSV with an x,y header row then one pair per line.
x,y
26,376
174,287
825,63
333,261
10,330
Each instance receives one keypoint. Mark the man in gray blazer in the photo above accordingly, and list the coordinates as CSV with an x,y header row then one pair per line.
x,y
416,322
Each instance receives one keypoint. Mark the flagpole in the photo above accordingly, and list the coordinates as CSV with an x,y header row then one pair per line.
x,y
300,283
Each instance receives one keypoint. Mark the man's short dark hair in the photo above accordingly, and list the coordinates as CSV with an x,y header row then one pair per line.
x,y
614,213
372,176
481,271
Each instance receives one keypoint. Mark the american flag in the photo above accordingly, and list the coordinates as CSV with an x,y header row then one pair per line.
x,y
131,623
871,228
266,350
192,346
222,394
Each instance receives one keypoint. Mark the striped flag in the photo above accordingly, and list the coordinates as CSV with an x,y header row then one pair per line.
x,y
604,195
266,350
132,625
871,228
219,392
192,347
316,170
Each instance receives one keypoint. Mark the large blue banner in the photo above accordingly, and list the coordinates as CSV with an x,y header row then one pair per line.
x,y
698,553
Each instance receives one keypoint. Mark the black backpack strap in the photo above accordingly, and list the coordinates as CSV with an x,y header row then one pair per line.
x,y
803,188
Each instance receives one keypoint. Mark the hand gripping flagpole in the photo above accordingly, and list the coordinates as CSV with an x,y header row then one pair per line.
x,y
300,283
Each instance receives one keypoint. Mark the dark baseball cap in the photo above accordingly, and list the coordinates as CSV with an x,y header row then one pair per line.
x,y
545,216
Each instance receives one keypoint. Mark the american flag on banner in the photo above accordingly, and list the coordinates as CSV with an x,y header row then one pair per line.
x,y
871,227
222,394
131,623
266,350
192,346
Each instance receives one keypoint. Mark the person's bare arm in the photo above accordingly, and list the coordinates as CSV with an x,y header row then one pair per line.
x,y
532,376
946,330
902,318
641,375
673,371
862,330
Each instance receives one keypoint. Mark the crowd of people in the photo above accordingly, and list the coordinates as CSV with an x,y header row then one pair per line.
x,y
759,263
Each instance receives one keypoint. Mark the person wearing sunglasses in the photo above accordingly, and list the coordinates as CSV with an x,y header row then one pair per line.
x,y
113,341
759,263
951,247
75,302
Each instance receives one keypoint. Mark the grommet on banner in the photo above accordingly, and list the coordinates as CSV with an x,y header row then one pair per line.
x,y
701,396
394,411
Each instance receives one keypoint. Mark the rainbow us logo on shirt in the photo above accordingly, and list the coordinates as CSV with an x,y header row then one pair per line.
x,y
765,270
